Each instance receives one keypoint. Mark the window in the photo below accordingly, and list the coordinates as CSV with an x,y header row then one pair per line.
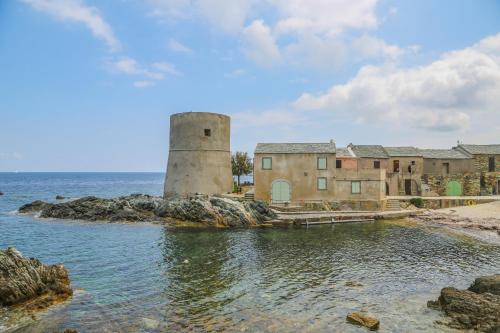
x,y
208,132
321,183
267,163
321,163
446,168
491,164
395,166
338,164
356,187
376,164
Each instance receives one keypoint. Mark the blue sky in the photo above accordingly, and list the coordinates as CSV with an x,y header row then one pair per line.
x,y
90,85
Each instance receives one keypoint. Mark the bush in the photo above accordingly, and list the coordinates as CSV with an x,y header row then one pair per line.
x,y
417,202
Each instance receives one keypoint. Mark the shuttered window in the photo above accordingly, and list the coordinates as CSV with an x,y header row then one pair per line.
x,y
355,187
322,163
322,183
267,163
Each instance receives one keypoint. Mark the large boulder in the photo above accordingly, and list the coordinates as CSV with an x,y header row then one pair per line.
x,y
487,284
26,281
469,309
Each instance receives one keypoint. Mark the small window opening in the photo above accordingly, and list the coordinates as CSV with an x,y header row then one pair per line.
x,y
338,164
376,164
491,164
208,132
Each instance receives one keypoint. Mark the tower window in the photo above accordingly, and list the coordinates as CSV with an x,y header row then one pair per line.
x,y
208,132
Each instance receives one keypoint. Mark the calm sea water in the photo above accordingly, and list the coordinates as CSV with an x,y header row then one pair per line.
x,y
146,278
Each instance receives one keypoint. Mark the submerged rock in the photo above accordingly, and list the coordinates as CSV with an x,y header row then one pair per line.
x,y
28,282
215,211
1,193
362,319
477,308
60,197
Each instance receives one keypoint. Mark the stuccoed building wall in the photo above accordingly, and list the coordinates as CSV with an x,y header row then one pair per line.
x,y
300,171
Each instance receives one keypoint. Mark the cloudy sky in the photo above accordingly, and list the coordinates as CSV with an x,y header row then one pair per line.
x,y
89,85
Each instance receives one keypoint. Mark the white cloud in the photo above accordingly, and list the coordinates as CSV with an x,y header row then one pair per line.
x,y
166,67
156,71
313,33
259,44
78,11
444,95
227,16
143,84
330,17
177,46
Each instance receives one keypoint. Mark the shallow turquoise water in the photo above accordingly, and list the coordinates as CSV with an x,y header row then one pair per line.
x,y
146,278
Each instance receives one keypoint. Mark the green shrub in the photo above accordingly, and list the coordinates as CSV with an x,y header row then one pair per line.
x,y
417,202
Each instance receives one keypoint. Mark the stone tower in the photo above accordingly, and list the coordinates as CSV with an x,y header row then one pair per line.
x,y
199,159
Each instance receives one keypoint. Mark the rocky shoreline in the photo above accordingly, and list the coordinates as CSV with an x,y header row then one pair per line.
x,y
477,308
29,284
201,210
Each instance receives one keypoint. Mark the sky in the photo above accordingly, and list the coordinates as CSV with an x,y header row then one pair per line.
x,y
89,85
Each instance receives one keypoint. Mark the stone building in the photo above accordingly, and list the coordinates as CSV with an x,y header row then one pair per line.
x,y
448,172
404,171
199,159
486,162
294,172
309,173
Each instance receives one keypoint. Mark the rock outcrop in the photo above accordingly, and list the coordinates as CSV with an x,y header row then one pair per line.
x,y
29,283
477,308
214,211
362,319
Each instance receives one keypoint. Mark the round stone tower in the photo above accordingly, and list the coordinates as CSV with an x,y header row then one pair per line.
x,y
199,159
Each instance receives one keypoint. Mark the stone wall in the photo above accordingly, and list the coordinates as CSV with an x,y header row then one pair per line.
x,y
481,163
438,184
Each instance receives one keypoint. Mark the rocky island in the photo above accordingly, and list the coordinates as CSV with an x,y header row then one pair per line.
x,y
202,210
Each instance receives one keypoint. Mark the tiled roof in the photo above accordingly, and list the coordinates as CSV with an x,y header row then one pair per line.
x,y
369,151
403,151
295,148
481,149
345,152
443,154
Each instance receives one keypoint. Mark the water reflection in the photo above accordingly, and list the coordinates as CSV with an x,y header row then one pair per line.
x,y
153,279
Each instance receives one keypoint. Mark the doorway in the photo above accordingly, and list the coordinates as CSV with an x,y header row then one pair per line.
x,y
280,191
408,186
453,188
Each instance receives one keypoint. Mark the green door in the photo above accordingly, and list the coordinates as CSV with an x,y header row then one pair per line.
x,y
453,188
280,191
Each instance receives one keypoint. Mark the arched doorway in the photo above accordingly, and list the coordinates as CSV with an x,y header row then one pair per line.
x,y
280,191
453,188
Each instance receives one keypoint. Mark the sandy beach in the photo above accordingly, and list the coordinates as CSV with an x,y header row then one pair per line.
x,y
483,216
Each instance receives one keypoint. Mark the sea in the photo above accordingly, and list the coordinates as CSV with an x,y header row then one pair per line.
x,y
152,278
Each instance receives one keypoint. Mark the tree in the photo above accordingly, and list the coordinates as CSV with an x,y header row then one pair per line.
x,y
241,164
